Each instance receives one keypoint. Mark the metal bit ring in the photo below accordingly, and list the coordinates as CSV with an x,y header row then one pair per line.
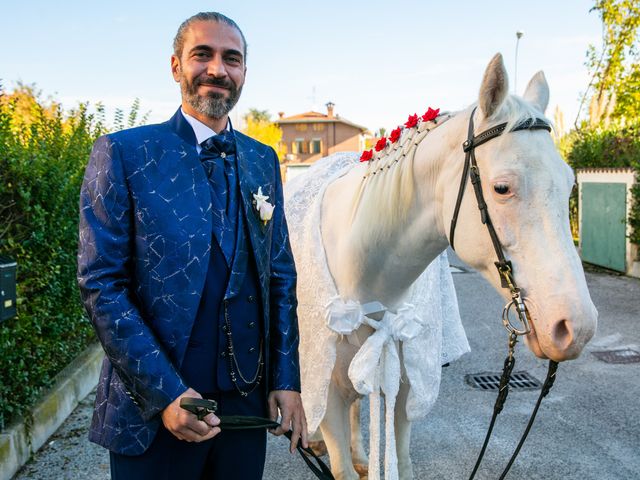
x,y
523,317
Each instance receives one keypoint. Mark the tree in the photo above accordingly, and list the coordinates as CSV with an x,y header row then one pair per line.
x,y
615,75
257,115
258,125
610,136
628,99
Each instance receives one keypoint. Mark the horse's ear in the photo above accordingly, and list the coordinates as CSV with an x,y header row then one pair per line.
x,y
495,86
537,92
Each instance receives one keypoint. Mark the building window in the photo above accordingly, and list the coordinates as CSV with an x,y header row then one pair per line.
x,y
316,145
300,145
301,127
318,127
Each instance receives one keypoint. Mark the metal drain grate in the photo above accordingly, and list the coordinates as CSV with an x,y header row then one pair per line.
x,y
624,355
491,381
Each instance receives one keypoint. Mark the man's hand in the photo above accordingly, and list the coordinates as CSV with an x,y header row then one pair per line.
x,y
185,425
290,405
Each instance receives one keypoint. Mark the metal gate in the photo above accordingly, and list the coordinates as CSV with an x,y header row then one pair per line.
x,y
604,225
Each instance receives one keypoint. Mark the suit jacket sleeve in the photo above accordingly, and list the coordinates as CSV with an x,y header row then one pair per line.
x,y
285,364
106,279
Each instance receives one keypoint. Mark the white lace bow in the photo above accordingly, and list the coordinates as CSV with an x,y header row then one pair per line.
x,y
376,366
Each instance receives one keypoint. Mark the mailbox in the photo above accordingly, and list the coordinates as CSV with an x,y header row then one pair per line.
x,y
7,288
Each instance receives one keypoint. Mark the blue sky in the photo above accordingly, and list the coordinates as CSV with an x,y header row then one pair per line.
x,y
377,61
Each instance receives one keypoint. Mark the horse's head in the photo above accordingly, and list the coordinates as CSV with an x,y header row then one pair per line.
x,y
526,185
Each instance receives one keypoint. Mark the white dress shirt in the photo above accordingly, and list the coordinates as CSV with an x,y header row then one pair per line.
x,y
201,130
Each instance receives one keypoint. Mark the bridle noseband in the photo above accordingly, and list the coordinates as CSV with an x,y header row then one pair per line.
x,y
505,270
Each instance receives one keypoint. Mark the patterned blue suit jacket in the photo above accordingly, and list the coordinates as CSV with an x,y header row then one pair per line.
x,y
145,239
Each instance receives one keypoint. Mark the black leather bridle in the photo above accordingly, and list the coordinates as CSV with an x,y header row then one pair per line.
x,y
505,270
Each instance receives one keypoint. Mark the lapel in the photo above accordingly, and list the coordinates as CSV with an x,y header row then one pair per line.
x,y
252,175
240,259
220,224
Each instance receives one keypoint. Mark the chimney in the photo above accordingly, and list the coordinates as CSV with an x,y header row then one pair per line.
x,y
330,106
280,114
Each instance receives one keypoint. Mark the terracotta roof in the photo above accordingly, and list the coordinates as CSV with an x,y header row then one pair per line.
x,y
306,115
317,117
605,170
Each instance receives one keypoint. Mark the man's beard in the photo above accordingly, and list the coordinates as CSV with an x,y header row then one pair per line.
x,y
213,104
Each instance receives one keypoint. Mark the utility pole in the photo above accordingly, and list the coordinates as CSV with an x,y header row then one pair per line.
x,y
519,35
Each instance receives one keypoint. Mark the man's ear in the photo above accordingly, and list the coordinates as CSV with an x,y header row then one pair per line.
x,y
175,68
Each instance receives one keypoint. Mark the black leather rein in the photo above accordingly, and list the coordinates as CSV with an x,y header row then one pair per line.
x,y
505,270
201,407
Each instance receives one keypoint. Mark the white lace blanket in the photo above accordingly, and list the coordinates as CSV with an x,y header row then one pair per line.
x,y
433,295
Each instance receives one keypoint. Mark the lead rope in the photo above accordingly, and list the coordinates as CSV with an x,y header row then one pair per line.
x,y
505,270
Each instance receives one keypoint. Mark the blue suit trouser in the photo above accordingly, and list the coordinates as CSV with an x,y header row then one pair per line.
x,y
230,455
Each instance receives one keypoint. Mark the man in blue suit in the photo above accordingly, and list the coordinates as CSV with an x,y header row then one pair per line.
x,y
186,272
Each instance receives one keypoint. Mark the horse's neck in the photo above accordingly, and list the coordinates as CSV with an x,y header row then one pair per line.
x,y
369,265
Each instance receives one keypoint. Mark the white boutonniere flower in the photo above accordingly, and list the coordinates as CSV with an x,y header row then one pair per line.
x,y
264,208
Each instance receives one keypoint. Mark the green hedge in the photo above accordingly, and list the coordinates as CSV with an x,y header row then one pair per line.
x,y
43,153
615,146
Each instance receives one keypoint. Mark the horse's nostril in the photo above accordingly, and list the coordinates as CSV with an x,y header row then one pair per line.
x,y
562,335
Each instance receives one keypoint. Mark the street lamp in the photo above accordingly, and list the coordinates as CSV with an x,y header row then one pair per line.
x,y
519,35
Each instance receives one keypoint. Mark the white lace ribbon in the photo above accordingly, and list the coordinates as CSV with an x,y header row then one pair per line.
x,y
376,367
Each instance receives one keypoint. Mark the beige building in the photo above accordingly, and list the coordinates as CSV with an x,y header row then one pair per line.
x,y
310,136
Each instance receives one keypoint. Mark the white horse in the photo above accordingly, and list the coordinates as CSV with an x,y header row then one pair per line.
x,y
380,233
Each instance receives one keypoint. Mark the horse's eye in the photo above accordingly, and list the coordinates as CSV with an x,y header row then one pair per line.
x,y
501,188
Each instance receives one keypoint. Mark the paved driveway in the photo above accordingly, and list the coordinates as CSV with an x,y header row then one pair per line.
x,y
588,427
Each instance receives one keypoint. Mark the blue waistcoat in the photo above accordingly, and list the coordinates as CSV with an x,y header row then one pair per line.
x,y
206,364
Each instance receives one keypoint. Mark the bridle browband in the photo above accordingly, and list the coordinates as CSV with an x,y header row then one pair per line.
x,y
505,270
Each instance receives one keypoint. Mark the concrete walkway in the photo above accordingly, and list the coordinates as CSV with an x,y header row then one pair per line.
x,y
588,427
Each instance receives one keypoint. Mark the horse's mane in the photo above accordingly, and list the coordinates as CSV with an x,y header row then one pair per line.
x,y
386,190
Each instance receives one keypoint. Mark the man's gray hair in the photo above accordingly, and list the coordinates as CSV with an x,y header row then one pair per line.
x,y
178,41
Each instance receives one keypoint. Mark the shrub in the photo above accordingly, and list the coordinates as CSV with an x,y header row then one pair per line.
x,y
43,154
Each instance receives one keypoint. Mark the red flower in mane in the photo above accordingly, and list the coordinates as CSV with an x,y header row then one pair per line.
x,y
381,144
431,114
412,121
395,135
366,156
